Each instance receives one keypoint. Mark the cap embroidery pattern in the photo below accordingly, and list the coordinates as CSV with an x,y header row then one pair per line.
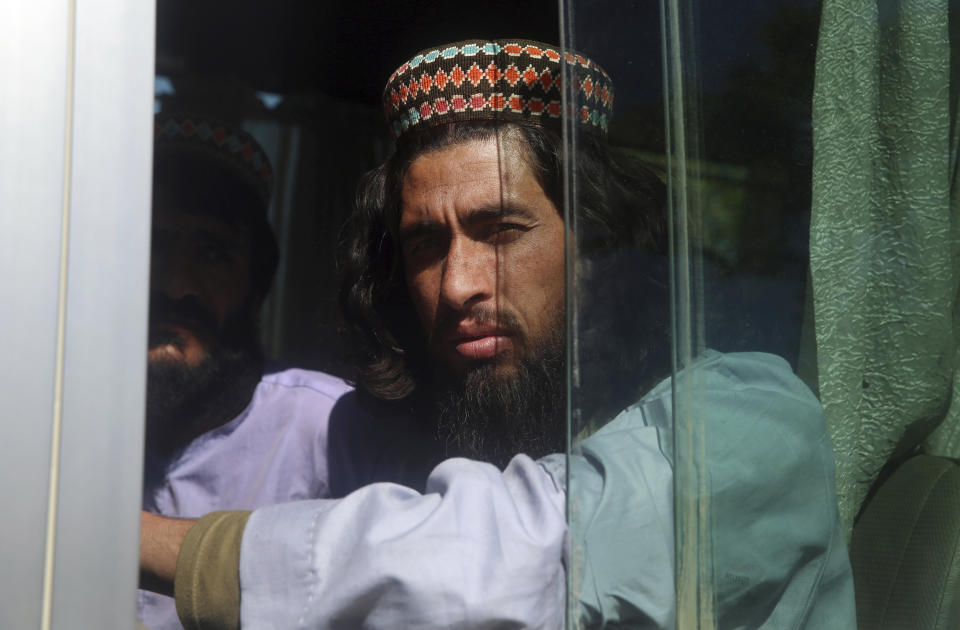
x,y
495,80
236,146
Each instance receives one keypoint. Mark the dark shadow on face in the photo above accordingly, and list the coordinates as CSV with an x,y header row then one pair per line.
x,y
171,319
204,357
184,399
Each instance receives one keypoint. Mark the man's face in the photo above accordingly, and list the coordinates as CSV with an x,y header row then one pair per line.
x,y
483,255
200,281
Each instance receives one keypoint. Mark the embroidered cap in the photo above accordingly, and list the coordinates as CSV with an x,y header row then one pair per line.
x,y
497,80
229,146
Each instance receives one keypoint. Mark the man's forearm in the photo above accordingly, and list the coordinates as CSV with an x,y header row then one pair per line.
x,y
160,541
480,548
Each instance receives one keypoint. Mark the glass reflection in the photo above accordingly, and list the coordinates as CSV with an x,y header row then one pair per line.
x,y
724,458
700,476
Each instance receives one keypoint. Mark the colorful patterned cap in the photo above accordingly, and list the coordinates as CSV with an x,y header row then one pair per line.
x,y
231,147
504,79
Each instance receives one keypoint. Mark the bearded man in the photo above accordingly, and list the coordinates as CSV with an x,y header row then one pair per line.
x,y
223,431
456,289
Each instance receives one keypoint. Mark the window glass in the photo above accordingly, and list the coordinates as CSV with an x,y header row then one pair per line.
x,y
757,250
730,460
302,84
808,151
307,83
620,473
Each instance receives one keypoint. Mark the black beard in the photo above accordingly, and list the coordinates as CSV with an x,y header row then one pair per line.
x,y
493,419
186,401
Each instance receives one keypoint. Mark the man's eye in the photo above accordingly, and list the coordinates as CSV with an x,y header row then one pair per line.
x,y
214,254
505,232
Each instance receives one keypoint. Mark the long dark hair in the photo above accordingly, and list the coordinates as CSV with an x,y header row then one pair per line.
x,y
622,245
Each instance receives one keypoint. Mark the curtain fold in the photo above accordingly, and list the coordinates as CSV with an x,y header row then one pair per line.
x,y
883,241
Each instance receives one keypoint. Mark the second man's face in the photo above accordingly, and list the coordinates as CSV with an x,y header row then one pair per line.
x,y
483,255
200,279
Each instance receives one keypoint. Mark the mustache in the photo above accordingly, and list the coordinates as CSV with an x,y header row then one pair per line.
x,y
186,312
448,321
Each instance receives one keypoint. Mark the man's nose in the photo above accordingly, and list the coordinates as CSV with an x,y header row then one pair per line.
x,y
469,273
174,277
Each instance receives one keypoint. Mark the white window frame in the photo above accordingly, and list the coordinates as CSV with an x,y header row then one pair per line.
x,y
76,120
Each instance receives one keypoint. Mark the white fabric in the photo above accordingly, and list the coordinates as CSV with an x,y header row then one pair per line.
x,y
479,549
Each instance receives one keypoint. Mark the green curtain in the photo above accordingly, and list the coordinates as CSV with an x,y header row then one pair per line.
x,y
883,237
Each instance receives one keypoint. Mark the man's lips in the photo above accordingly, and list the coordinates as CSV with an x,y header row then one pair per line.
x,y
175,332
178,324
483,347
480,341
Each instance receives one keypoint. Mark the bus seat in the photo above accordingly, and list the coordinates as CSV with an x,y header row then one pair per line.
x,y
905,549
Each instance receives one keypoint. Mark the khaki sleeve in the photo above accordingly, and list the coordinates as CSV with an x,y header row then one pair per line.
x,y
207,582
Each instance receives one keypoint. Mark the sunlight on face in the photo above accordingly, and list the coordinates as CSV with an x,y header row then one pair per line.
x,y
483,252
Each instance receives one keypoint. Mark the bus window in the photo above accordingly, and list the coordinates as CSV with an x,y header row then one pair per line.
x,y
696,266
703,298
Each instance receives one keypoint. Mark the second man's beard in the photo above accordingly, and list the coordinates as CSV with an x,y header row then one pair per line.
x,y
491,418
185,401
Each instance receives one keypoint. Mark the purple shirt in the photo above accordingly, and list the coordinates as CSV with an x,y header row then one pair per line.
x,y
275,451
